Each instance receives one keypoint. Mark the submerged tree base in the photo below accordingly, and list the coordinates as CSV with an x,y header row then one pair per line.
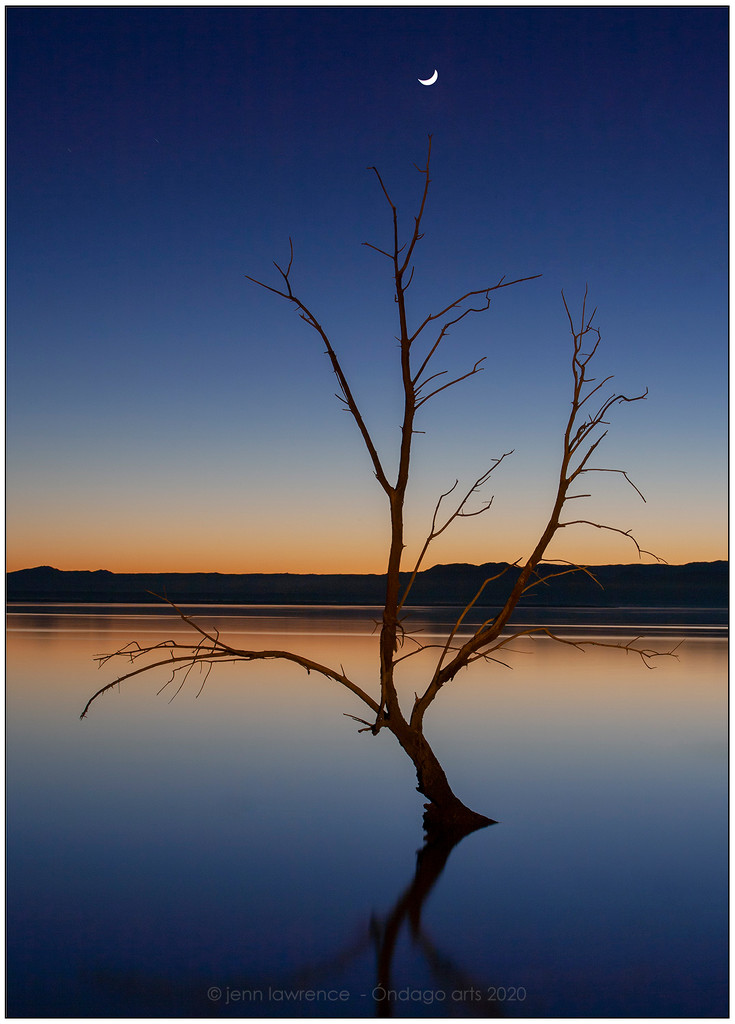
x,y
456,820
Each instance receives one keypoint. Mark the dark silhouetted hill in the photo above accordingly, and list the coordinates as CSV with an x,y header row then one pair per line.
x,y
697,584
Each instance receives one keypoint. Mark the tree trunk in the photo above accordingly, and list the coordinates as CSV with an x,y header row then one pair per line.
x,y
445,812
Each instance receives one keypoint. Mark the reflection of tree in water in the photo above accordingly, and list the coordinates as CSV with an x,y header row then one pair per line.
x,y
452,993
448,977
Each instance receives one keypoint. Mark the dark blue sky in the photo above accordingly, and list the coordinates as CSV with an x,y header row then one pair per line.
x,y
163,413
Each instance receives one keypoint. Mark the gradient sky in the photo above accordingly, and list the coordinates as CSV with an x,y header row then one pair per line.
x,y
164,414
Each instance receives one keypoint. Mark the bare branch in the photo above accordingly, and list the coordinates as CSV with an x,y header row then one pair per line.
x,y
440,373
214,650
594,390
466,610
348,398
574,437
475,369
601,469
206,677
368,725
420,650
417,220
463,298
615,529
553,575
646,654
381,251
458,513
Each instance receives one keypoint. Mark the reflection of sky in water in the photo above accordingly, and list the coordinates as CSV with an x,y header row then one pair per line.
x,y
157,849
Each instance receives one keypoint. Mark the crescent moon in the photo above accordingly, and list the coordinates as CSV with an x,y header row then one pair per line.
x,y
430,81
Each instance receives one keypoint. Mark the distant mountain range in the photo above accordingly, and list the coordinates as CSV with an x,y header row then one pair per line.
x,y
697,584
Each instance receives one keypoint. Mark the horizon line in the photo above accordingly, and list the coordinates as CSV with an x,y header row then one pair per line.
x,y
286,572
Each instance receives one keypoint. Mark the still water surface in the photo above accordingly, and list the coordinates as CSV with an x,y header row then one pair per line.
x,y
247,853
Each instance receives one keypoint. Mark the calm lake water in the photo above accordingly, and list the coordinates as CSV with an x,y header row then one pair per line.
x,y
246,853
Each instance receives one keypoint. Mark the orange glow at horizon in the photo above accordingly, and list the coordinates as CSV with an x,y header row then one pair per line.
x,y
292,552
312,529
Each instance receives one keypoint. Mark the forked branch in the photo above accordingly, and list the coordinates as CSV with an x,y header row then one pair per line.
x,y
502,283
544,580
460,512
578,445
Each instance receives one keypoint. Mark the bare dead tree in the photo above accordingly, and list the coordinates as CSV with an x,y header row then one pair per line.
x,y
418,346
